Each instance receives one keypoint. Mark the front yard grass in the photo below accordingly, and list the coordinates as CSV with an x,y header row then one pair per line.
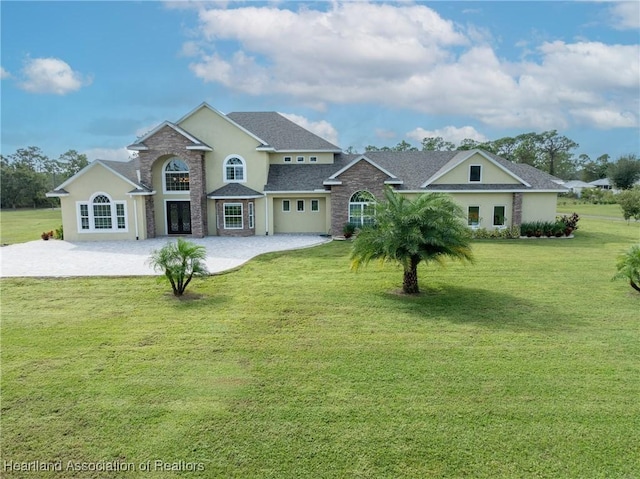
x,y
523,365
20,226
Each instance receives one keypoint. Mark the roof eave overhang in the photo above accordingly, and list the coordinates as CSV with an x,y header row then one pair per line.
x,y
200,148
297,192
54,194
332,182
232,197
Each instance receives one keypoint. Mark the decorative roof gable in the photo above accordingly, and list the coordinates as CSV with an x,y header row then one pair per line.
x,y
196,144
463,156
333,179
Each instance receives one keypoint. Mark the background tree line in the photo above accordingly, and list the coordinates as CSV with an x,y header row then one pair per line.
x,y
547,151
28,174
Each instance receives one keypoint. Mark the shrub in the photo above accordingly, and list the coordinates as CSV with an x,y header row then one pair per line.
x,y
629,267
348,230
598,196
629,201
59,233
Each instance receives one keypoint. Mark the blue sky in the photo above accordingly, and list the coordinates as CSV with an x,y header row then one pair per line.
x,y
92,76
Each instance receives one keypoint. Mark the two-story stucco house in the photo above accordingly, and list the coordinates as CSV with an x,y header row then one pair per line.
x,y
257,173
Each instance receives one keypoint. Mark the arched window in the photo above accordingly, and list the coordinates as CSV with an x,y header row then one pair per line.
x,y
176,175
361,208
234,167
103,214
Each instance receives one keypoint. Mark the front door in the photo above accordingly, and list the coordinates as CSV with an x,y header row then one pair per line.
x,y
178,217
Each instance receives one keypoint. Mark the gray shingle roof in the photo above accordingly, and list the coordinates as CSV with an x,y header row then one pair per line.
x,y
280,132
234,190
414,168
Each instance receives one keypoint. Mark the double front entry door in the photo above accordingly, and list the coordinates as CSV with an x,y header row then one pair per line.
x,y
178,217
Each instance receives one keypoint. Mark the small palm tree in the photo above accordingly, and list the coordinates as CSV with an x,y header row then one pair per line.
x,y
180,262
428,228
629,267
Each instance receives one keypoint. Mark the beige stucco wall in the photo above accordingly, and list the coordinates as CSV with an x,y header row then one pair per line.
x,y
491,174
99,179
278,158
486,202
539,207
227,139
300,222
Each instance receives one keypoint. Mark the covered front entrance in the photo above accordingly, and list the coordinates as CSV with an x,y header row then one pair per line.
x,y
178,217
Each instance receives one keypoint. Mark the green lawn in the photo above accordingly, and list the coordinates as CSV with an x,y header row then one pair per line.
x,y
20,226
569,205
523,365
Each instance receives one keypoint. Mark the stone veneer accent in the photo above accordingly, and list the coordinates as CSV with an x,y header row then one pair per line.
x,y
517,210
246,231
361,176
165,143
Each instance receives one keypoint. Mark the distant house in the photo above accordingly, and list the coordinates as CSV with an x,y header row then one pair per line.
x,y
258,173
576,186
603,184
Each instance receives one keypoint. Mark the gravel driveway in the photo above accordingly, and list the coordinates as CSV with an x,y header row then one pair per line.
x,y
55,258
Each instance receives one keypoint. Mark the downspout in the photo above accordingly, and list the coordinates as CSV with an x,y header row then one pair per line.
x,y
266,214
135,216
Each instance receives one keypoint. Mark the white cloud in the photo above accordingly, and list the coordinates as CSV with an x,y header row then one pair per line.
x,y
448,133
322,128
51,75
625,15
4,74
113,154
408,56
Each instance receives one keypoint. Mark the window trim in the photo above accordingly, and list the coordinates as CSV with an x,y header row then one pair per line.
x,y
288,202
313,159
224,216
317,202
299,159
252,213
298,202
469,223
479,180
113,204
164,177
504,216
286,159
244,169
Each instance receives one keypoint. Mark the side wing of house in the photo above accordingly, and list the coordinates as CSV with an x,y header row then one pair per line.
x,y
100,204
495,193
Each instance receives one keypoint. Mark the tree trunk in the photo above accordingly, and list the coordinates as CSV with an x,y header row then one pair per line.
x,y
410,283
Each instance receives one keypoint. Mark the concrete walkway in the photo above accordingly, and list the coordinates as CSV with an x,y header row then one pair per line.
x,y
55,258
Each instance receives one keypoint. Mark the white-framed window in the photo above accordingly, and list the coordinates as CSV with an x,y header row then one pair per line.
x,y
286,206
475,173
300,159
251,216
287,159
362,208
499,218
300,206
473,216
175,176
234,169
102,215
315,205
313,159
233,216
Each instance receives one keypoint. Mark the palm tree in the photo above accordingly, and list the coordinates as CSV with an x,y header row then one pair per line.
x,y
629,267
180,262
428,228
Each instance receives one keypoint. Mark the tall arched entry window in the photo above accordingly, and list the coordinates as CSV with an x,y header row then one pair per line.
x,y
176,175
361,208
